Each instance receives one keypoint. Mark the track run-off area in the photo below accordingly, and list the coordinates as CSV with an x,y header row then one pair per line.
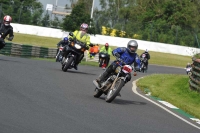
x,y
38,97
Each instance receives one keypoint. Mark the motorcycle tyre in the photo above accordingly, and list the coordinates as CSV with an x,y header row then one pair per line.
x,y
101,62
98,93
67,64
118,89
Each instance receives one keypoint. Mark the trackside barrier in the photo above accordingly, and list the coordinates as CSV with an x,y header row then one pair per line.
x,y
35,51
28,51
194,80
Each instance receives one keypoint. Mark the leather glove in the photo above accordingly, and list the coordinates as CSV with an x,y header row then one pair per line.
x,y
91,45
117,55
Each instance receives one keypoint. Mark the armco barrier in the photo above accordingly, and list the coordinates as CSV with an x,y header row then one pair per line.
x,y
35,51
28,51
195,77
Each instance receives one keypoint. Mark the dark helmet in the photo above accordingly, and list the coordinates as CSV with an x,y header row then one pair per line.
x,y
65,39
132,43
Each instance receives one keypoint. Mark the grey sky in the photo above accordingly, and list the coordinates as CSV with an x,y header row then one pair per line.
x,y
63,2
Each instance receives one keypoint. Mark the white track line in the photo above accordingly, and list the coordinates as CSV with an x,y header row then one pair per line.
x,y
135,91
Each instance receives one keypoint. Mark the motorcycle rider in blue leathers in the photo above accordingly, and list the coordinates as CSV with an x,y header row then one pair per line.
x,y
128,55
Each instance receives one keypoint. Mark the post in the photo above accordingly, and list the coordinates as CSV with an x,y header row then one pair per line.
x,y
91,16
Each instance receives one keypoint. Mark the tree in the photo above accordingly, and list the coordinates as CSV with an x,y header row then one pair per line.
x,y
78,16
23,11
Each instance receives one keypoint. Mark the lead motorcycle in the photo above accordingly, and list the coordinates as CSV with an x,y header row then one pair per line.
x,y
74,49
143,63
113,84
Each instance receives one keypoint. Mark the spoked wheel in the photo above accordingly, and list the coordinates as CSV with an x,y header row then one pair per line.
x,y
98,93
113,92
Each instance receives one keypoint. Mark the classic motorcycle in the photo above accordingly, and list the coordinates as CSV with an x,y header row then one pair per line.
x,y
102,59
112,85
59,55
143,63
74,49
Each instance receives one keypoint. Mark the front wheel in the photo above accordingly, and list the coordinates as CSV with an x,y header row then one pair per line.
x,y
57,57
113,92
67,63
100,62
98,93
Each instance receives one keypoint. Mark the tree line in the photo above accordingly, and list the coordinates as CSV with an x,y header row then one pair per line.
x,y
167,21
27,12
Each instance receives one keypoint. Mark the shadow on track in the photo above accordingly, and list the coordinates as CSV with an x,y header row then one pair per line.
x,y
125,102
8,60
79,72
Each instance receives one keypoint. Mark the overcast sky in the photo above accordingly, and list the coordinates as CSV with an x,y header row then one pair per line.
x,y
63,2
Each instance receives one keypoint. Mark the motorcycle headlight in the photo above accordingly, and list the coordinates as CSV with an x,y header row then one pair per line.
x,y
77,46
118,69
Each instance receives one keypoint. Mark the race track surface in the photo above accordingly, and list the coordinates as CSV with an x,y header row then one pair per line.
x,y
38,97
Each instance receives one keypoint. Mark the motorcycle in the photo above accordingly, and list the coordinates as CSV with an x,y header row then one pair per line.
x,y
59,55
74,49
102,59
112,85
143,63
188,71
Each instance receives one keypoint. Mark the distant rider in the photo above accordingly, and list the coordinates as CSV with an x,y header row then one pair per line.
x,y
62,43
147,56
5,29
128,55
106,50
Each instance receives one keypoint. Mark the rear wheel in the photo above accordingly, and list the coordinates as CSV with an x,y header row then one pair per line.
x,y
98,93
67,63
113,92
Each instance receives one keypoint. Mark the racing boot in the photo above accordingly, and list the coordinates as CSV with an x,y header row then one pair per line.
x,y
101,78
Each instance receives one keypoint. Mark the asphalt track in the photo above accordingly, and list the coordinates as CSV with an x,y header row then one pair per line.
x,y
37,97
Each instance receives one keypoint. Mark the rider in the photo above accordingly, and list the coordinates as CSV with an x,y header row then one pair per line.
x,y
81,36
128,55
188,65
106,50
147,56
62,43
5,29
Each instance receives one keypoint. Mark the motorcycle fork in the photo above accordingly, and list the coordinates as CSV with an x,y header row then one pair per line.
x,y
115,81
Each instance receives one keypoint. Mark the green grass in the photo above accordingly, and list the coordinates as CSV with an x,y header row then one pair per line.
x,y
174,89
36,40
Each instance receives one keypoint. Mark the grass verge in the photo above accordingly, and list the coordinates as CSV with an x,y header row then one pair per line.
x,y
174,89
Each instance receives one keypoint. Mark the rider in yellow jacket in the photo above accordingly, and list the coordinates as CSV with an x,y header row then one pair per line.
x,y
106,50
83,37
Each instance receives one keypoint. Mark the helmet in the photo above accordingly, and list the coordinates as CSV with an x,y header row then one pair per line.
x,y
132,46
188,63
106,45
7,19
84,27
65,39
146,51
